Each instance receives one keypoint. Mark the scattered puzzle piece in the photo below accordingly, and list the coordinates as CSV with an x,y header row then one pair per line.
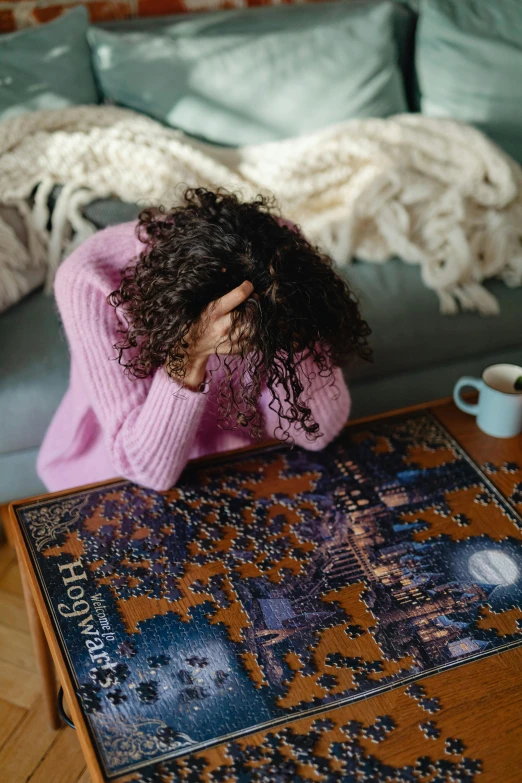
x,y
430,705
454,747
430,730
416,691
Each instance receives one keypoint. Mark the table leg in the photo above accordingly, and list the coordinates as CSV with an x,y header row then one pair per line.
x,y
43,655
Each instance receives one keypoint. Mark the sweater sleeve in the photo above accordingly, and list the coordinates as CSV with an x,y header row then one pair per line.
x,y
330,405
149,425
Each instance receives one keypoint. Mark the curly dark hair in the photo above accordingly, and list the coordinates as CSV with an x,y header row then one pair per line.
x,y
201,250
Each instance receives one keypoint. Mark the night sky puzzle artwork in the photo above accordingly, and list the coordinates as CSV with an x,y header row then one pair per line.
x,y
272,585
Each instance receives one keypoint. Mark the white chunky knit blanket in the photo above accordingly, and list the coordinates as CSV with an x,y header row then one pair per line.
x,y
433,192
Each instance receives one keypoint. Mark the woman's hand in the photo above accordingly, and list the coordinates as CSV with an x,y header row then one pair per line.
x,y
215,336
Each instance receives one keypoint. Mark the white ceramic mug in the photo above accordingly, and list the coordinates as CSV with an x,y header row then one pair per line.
x,y
499,408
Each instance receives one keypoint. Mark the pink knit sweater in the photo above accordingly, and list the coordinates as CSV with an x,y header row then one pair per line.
x,y
108,425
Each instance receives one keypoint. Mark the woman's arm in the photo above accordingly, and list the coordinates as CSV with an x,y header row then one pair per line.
x,y
149,425
330,405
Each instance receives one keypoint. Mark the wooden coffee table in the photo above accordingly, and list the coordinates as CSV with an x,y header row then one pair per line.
x,y
347,615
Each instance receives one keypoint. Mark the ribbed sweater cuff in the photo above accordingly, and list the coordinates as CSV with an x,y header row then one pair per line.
x,y
166,391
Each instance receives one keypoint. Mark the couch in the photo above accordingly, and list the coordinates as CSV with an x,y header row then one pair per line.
x,y
418,353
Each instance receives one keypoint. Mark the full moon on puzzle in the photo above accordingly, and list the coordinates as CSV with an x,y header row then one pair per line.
x,y
492,567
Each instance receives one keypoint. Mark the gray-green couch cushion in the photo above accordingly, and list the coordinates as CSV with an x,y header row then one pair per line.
x,y
18,477
255,75
469,65
382,395
35,368
47,67
410,333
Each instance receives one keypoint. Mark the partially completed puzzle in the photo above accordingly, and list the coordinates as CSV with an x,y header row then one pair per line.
x,y
278,585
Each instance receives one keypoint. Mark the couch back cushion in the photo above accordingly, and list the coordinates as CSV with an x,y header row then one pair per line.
x,y
469,65
48,67
249,76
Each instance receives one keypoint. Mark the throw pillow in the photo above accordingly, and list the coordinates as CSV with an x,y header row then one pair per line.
x,y
256,75
469,64
47,67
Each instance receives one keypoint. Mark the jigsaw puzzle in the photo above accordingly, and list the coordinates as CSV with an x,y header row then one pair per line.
x,y
276,586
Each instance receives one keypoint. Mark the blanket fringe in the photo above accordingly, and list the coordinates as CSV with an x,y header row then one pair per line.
x,y
22,268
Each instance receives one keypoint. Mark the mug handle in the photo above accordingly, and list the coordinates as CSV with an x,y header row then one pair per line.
x,y
467,407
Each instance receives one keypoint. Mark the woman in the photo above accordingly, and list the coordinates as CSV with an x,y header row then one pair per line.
x,y
195,331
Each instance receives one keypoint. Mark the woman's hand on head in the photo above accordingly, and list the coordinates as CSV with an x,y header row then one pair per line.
x,y
216,336
213,333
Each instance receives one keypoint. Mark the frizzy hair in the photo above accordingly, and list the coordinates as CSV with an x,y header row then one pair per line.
x,y
197,252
